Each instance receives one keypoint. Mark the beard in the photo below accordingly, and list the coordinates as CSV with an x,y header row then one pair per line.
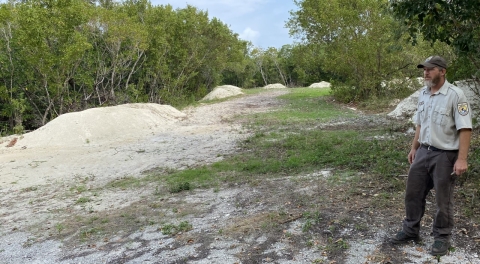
x,y
428,83
432,82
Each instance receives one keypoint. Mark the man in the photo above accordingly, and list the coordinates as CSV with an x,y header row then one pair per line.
x,y
438,154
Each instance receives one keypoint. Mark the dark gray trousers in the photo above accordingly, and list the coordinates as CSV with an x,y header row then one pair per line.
x,y
430,169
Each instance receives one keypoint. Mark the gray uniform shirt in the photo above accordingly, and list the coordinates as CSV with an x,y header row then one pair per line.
x,y
441,115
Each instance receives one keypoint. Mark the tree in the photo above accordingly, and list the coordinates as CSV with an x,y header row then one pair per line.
x,y
58,56
357,40
452,22
42,39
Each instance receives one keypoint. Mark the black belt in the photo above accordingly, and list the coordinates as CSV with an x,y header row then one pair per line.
x,y
434,148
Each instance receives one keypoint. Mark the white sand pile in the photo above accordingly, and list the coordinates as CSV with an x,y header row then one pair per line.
x,y
105,124
407,107
223,92
321,84
274,86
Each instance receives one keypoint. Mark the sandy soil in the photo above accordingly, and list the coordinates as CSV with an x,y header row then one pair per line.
x,y
44,222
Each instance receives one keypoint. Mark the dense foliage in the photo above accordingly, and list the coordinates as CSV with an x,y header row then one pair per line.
x,y
359,42
452,22
59,56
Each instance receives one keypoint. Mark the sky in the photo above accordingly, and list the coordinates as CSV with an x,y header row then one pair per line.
x,y
260,21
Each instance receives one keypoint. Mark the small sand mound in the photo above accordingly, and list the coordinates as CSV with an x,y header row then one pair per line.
x,y
275,86
223,92
321,84
105,124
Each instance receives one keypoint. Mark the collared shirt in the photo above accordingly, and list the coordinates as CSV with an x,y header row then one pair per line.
x,y
441,115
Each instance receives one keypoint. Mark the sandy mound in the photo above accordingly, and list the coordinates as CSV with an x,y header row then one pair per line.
x,y
407,107
223,92
321,84
274,86
104,124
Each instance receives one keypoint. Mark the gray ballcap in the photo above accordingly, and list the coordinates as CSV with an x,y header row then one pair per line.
x,y
433,61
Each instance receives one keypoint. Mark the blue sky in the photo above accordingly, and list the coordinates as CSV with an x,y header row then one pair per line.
x,y
260,21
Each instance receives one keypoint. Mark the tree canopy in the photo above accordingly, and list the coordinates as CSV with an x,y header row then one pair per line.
x,y
59,56
358,41
452,22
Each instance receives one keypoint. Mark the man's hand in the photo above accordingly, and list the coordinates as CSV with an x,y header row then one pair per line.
x,y
411,155
460,167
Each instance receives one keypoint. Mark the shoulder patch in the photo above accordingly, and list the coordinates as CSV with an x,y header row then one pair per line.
x,y
463,109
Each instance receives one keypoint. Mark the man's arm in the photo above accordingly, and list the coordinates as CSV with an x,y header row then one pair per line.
x,y
461,164
415,145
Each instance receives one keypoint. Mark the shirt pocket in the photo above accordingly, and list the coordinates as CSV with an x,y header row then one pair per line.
x,y
421,114
440,115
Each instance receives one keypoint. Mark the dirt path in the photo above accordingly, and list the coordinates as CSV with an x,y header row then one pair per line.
x,y
56,201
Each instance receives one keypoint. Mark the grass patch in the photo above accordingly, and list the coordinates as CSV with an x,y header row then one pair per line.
x,y
313,149
304,105
311,219
288,142
125,183
171,229
78,189
284,142
83,200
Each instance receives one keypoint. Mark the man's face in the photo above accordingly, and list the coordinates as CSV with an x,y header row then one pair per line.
x,y
432,76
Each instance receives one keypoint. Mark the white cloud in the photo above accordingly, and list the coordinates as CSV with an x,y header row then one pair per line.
x,y
250,35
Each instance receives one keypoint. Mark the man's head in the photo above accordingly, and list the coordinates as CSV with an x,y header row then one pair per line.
x,y
434,69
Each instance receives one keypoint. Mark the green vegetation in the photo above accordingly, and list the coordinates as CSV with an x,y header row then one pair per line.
x,y
83,200
453,23
310,219
171,229
289,141
360,44
364,161
62,56
55,60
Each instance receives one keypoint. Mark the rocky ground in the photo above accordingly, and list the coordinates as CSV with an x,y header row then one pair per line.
x,y
77,206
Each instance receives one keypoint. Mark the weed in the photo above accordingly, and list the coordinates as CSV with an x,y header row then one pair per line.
x,y
60,227
171,229
78,189
83,200
167,229
87,233
332,228
177,187
310,220
333,247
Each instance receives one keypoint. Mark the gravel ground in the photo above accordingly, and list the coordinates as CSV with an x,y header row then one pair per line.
x,y
239,223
